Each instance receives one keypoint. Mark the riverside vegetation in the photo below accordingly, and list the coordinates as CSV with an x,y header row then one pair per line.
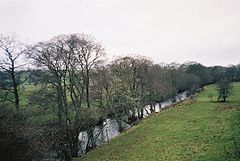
x,y
199,129
53,90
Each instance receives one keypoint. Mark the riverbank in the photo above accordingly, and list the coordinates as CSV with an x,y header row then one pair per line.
x,y
199,130
110,128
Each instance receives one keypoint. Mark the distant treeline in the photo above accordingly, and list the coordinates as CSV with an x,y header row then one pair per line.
x,y
74,89
182,77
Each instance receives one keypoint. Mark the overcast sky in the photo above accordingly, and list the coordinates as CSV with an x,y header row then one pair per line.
x,y
207,31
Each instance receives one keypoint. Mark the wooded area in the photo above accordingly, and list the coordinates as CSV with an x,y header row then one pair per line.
x,y
70,87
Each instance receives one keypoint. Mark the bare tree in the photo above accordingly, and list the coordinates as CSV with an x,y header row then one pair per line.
x,y
11,50
70,59
87,53
132,73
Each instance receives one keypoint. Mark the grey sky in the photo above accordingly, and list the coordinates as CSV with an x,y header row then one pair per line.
x,y
207,31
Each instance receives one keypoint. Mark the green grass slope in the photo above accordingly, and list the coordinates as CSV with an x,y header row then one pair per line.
x,y
198,130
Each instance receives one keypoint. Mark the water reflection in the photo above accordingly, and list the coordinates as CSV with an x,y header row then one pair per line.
x,y
110,127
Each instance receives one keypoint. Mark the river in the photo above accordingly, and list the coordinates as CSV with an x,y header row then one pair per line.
x,y
110,126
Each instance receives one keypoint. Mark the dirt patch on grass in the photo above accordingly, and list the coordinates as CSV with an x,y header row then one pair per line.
x,y
225,106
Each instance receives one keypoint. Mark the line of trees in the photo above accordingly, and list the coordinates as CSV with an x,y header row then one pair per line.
x,y
76,90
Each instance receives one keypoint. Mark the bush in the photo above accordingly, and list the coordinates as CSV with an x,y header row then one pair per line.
x,y
14,146
224,89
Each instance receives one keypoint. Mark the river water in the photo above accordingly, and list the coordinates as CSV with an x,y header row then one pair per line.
x,y
110,126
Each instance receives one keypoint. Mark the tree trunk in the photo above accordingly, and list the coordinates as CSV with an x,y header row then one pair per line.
x,y
16,97
75,146
87,89
91,141
120,127
224,99
151,108
142,113
15,88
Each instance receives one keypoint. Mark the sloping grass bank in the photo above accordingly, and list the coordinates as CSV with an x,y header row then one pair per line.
x,y
202,130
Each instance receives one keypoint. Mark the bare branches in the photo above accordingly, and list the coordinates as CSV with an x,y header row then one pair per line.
x,y
70,59
11,50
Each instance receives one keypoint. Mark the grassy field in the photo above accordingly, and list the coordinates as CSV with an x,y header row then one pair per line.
x,y
199,130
